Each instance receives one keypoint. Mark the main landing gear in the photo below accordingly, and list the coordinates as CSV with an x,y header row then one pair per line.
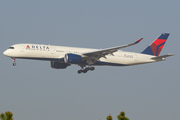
x,y
86,69
14,61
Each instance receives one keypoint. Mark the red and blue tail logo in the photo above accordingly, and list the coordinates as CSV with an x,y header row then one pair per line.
x,y
156,47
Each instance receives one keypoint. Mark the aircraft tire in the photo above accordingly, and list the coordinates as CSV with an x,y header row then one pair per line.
x,y
87,69
79,71
92,68
14,64
84,71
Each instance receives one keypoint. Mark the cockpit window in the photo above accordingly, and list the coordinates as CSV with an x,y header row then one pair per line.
x,y
11,47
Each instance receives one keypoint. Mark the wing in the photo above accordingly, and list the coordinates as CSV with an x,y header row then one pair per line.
x,y
102,53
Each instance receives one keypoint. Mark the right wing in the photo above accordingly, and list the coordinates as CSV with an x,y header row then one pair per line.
x,y
104,52
94,56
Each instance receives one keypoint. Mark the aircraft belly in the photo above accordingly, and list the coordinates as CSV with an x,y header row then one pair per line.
x,y
115,61
124,60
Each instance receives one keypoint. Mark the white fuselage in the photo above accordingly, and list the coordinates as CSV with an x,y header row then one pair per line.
x,y
57,53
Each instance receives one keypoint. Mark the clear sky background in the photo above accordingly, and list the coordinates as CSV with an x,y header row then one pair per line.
x,y
33,90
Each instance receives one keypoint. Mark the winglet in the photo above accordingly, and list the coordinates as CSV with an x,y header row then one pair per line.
x,y
138,40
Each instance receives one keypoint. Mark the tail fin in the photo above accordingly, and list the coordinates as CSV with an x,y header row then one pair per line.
x,y
156,47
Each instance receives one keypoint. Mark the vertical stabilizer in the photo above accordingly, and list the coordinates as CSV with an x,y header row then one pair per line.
x,y
156,47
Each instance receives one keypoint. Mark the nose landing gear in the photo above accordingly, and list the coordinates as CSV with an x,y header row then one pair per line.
x,y
14,61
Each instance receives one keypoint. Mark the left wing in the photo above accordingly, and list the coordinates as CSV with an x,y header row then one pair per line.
x,y
102,53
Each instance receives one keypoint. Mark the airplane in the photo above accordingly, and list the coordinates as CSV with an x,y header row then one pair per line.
x,y
61,57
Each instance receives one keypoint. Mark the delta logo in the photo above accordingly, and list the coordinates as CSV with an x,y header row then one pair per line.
x,y
37,47
27,47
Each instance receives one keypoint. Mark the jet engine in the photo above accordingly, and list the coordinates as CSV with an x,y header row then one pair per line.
x,y
72,58
58,65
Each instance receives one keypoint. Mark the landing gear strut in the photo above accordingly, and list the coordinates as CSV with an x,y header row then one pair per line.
x,y
86,69
14,61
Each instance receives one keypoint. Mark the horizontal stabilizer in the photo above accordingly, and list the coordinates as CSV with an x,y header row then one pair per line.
x,y
162,57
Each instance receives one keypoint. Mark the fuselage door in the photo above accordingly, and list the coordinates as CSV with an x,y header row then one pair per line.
x,y
22,48
135,57
53,51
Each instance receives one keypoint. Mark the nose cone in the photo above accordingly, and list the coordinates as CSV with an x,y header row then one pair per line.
x,y
5,53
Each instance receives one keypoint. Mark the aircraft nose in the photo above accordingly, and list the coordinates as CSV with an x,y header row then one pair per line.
x,y
5,53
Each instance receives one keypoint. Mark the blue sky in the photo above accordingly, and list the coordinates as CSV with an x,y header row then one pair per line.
x,y
33,90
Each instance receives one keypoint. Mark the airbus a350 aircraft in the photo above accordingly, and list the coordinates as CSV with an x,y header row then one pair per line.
x,y
62,57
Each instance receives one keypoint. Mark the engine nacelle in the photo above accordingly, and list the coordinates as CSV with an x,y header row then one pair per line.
x,y
59,65
72,58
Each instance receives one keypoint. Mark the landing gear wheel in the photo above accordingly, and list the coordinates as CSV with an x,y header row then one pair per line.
x,y
87,69
14,64
79,71
84,71
92,68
